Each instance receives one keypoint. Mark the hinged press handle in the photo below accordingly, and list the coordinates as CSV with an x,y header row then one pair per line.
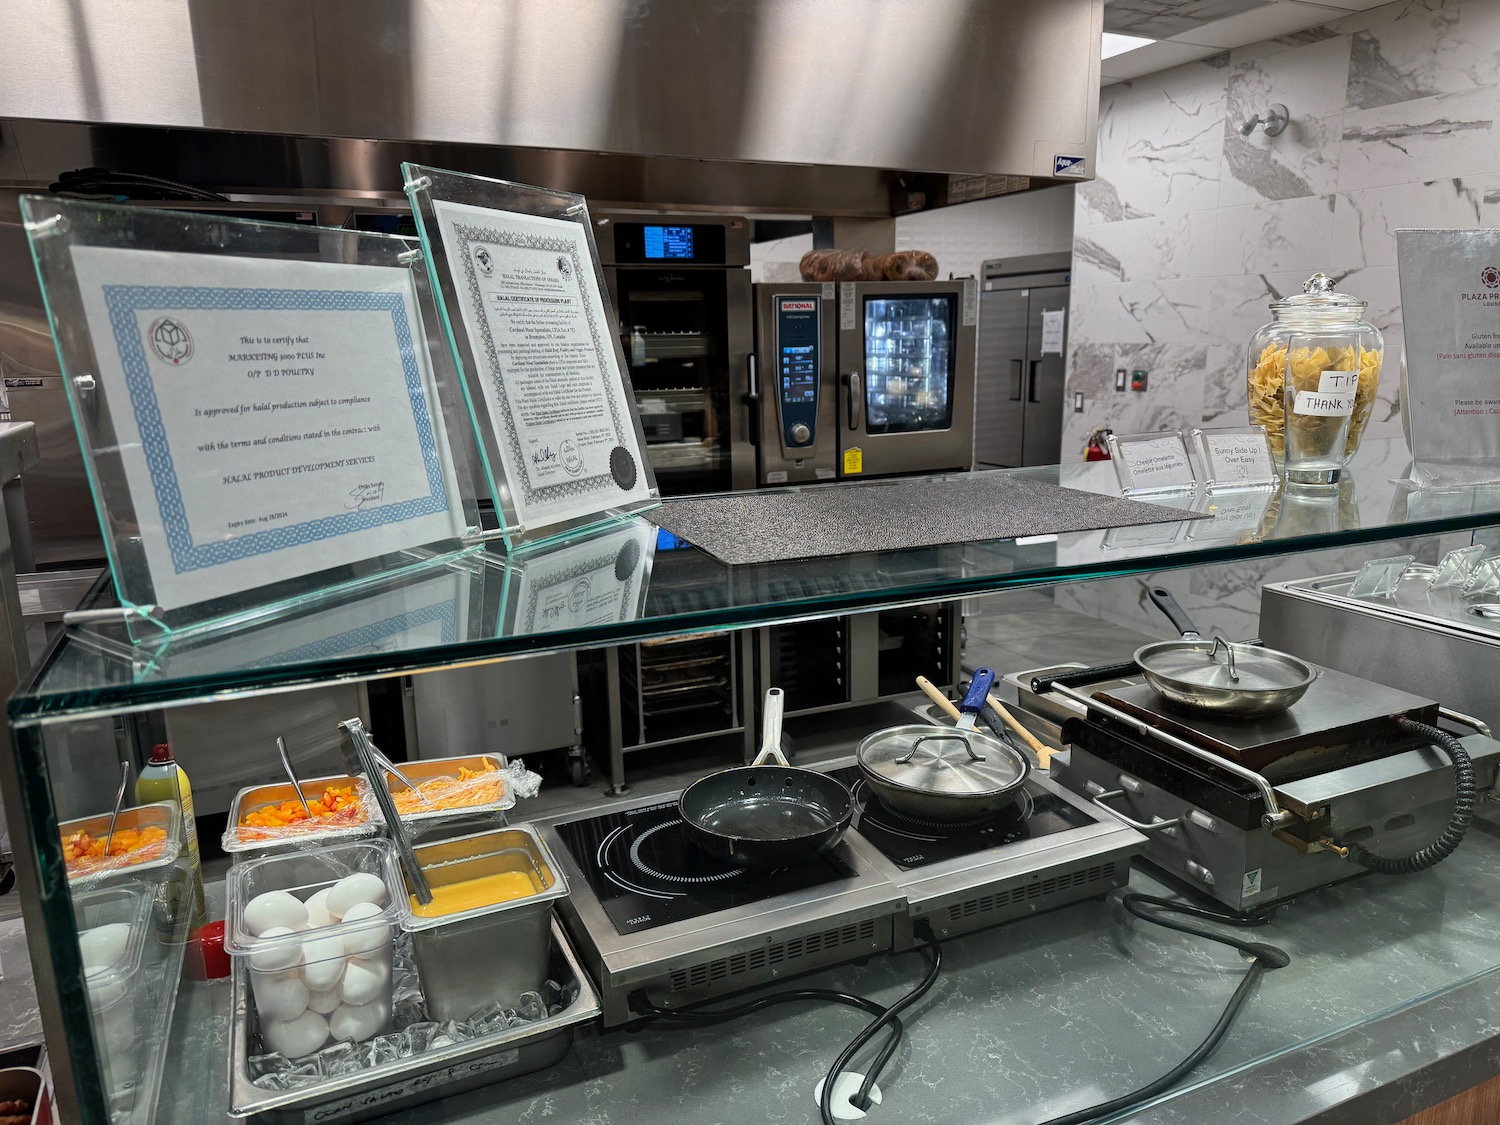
x,y
1040,685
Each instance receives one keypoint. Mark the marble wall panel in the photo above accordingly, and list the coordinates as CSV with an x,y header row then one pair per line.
x,y
1365,222
1430,138
1293,235
1302,161
1311,80
1423,50
1145,249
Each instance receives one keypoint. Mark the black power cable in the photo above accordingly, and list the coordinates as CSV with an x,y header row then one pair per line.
x,y
1265,957
885,1019
1458,822
697,1014
861,1099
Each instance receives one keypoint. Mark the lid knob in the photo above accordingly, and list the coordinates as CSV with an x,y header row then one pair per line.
x,y
1318,283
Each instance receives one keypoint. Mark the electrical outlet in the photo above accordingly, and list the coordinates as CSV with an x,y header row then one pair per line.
x,y
1120,378
1077,402
1137,380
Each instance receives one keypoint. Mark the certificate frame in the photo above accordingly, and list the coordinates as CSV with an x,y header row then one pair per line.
x,y
499,214
105,269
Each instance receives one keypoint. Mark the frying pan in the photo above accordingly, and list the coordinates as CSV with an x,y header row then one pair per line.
x,y
1219,677
765,815
939,774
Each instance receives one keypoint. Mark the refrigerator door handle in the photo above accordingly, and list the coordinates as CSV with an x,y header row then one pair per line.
x,y
852,384
1020,380
1031,378
751,399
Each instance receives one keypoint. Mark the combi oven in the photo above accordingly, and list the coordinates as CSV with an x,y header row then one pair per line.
x,y
863,379
680,285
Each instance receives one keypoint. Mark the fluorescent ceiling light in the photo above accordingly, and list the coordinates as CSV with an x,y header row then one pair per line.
x,y
1117,44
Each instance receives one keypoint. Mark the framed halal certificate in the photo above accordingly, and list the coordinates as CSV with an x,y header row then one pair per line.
x,y
531,330
259,412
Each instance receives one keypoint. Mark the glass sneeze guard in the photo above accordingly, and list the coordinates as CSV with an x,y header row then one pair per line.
x,y
464,613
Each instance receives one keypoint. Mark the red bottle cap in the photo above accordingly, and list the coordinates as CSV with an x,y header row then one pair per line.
x,y
206,958
161,753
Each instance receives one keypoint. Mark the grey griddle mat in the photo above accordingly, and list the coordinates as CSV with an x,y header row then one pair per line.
x,y
818,522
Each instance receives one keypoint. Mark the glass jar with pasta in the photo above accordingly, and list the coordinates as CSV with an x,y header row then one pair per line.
x,y
1319,354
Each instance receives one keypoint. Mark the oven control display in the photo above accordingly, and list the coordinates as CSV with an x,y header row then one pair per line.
x,y
669,242
798,370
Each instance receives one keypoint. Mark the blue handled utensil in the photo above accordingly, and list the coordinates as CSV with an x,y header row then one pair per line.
x,y
974,702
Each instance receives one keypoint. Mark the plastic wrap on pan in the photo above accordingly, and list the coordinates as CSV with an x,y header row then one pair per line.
x,y
269,818
465,786
147,838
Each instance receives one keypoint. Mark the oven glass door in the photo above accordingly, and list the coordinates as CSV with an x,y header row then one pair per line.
x,y
675,335
909,363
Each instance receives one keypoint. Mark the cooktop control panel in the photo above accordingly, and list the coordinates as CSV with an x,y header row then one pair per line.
x,y
797,367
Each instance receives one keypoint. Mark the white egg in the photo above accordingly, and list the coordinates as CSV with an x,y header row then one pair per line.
x,y
274,908
323,1002
364,981
297,1037
354,1024
322,962
104,945
277,957
317,909
279,997
359,887
369,940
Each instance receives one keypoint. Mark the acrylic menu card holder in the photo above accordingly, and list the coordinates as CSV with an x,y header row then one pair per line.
x,y
261,421
527,316
1154,462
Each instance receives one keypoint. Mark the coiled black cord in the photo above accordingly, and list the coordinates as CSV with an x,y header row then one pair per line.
x,y
1458,822
885,1019
1266,957
861,1099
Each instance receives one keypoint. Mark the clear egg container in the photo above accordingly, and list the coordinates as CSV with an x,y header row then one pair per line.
x,y
316,979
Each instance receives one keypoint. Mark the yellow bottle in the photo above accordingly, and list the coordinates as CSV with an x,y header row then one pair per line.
x,y
164,780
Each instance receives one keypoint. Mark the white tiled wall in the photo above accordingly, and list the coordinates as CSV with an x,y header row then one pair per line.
x,y
1190,230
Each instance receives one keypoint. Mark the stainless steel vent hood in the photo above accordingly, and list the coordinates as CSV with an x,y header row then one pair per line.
x,y
838,105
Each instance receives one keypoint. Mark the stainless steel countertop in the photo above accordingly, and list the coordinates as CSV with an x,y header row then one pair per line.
x,y
1386,1007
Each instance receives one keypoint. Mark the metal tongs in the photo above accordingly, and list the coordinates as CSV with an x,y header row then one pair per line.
x,y
119,800
362,757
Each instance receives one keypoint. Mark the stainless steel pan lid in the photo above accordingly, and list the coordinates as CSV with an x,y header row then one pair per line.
x,y
1221,664
927,759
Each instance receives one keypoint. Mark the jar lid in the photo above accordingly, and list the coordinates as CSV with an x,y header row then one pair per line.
x,y
1319,295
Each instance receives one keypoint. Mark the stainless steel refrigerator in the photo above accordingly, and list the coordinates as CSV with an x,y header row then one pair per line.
x,y
1018,403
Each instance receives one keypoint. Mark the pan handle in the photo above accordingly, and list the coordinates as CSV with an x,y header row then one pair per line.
x,y
770,729
1085,676
1163,600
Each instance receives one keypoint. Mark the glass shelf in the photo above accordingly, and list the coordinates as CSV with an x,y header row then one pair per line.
x,y
482,606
